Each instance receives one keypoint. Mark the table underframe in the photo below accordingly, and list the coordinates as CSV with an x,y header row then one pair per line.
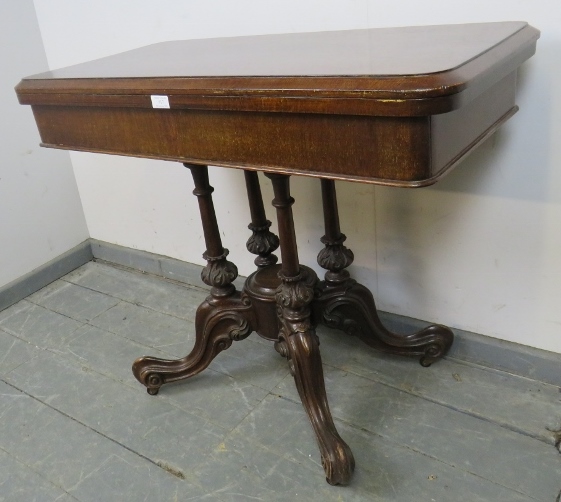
x,y
284,303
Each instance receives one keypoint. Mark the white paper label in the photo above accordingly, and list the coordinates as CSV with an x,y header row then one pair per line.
x,y
159,101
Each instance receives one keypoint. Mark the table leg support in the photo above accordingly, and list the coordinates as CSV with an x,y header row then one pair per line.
x,y
262,241
299,343
347,305
224,316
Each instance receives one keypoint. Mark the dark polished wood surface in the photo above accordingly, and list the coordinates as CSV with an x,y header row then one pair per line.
x,y
377,52
396,106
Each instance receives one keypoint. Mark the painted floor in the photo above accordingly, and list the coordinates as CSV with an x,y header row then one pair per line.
x,y
76,425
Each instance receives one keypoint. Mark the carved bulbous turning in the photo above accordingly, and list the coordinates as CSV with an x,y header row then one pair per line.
x,y
262,243
334,256
219,273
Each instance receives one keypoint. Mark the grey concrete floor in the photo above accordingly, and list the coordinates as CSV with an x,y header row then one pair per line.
x,y
75,424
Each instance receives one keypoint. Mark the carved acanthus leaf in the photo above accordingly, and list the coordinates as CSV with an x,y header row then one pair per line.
x,y
335,257
262,243
219,274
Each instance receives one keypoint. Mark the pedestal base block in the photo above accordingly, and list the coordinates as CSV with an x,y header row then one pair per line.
x,y
261,287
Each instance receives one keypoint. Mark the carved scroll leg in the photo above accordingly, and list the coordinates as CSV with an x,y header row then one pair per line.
x,y
302,351
349,306
298,341
218,323
224,316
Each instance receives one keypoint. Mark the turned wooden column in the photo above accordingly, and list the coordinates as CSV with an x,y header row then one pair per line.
x,y
262,241
334,257
219,273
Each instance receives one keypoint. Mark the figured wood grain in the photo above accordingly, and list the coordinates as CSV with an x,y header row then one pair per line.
x,y
404,151
338,146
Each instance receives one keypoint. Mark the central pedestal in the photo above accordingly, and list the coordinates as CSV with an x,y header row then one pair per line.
x,y
261,287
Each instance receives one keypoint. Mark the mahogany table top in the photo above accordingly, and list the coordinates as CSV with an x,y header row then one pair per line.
x,y
397,106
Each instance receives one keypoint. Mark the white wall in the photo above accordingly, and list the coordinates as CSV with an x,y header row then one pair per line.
x,y
41,215
480,251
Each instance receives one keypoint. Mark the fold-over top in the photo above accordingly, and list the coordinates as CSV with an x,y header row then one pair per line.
x,y
386,71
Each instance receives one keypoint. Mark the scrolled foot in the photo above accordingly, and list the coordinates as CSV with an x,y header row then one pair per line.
x,y
442,337
302,351
153,381
338,462
143,371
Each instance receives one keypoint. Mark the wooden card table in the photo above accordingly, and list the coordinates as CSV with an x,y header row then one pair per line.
x,y
396,106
